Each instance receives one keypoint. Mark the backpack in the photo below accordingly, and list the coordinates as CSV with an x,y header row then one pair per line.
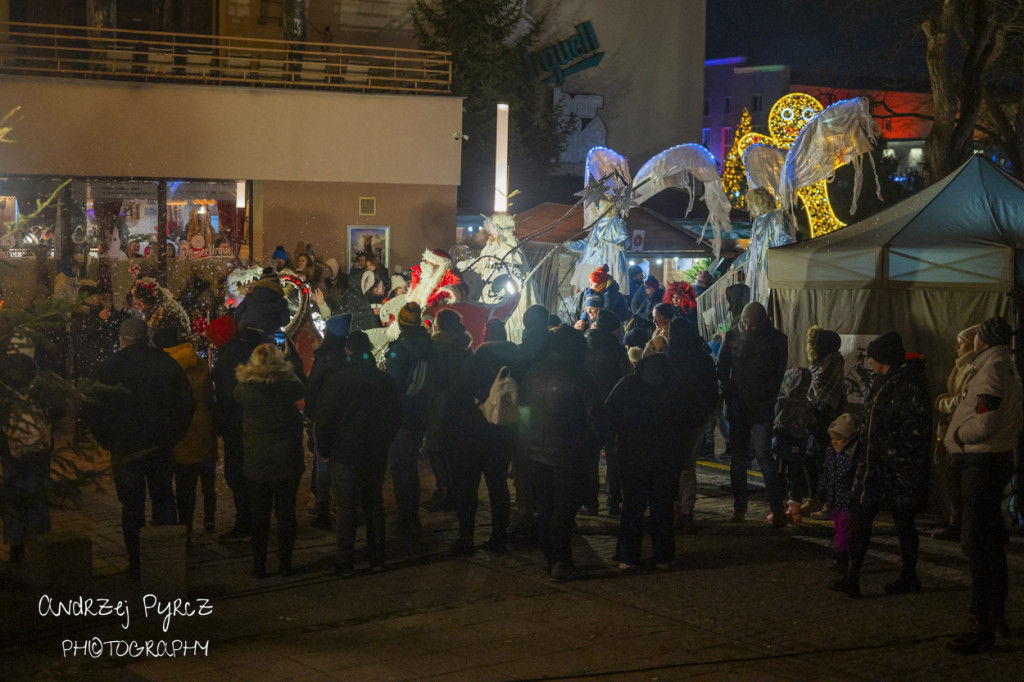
x,y
421,379
502,405
28,430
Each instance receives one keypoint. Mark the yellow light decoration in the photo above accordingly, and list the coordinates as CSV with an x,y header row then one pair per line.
x,y
733,178
785,121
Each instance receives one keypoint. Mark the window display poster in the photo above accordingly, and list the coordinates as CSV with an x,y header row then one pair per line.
x,y
370,240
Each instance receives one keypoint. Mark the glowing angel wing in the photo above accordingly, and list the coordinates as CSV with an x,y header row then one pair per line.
x,y
842,133
763,166
610,169
681,166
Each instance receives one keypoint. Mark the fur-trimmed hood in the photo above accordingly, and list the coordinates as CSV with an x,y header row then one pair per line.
x,y
267,374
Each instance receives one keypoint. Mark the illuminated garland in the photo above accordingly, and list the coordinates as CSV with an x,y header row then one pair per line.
x,y
734,180
785,121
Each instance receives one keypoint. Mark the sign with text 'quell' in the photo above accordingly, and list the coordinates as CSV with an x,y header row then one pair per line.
x,y
568,56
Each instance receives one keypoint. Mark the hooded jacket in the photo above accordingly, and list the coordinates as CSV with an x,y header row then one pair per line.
x,y
404,356
896,438
200,442
271,422
263,308
989,417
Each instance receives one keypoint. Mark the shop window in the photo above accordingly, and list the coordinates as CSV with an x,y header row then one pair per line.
x,y
756,103
705,138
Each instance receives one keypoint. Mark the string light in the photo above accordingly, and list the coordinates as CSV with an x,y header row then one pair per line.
x,y
734,181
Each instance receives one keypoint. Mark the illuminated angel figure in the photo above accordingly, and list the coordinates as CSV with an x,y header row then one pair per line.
x,y
789,163
609,194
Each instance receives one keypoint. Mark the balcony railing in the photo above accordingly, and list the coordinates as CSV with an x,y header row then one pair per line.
x,y
150,56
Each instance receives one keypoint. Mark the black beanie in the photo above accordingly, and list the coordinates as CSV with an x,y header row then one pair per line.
x,y
887,349
995,331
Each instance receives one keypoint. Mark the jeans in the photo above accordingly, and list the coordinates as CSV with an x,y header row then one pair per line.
x,y
233,476
132,477
185,478
753,439
405,476
360,484
279,497
906,531
557,492
983,533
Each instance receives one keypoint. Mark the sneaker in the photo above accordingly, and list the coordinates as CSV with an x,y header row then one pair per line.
x,y
236,534
903,586
974,638
823,514
951,533
809,506
339,570
846,586
623,566
739,516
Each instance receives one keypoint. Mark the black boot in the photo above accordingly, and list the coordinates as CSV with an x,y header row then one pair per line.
x,y
841,562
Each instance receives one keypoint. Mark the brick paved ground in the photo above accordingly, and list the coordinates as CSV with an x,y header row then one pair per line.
x,y
743,601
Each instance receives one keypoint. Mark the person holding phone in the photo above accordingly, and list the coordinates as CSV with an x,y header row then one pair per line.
x,y
264,307
592,305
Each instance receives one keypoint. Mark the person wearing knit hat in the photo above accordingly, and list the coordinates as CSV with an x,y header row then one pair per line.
x,y
836,484
280,258
340,325
332,265
897,433
751,363
636,276
398,286
607,321
412,363
945,405
599,279
982,435
885,351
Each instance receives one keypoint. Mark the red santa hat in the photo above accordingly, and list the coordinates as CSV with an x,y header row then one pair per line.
x,y
599,278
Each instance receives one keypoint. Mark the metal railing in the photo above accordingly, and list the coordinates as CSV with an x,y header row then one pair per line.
x,y
151,56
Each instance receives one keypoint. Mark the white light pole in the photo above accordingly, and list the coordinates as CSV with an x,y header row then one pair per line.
x,y
501,161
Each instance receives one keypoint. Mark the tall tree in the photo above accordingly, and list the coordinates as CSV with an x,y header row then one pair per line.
x,y
488,46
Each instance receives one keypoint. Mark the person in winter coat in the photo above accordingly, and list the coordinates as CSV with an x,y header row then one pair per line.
x,y
412,363
94,330
945,405
658,415
693,363
358,414
893,473
636,276
751,363
233,350
139,423
737,296
478,448
982,435
559,401
663,314
451,348
329,359
268,390
264,307
827,397
195,455
642,306
837,484
794,418
683,300
607,361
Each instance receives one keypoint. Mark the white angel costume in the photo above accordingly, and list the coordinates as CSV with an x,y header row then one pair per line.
x,y
602,213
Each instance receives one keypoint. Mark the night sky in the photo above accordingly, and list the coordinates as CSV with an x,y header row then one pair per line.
x,y
842,38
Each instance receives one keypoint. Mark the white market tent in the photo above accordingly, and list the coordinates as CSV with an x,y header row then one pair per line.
x,y
927,267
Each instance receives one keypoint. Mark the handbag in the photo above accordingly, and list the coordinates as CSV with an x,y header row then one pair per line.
x,y
502,405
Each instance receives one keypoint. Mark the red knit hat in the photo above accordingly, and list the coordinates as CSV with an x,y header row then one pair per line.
x,y
599,278
221,330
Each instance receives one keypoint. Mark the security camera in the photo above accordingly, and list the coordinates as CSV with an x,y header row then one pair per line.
x,y
459,137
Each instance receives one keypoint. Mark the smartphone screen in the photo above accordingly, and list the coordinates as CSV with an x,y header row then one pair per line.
x,y
279,340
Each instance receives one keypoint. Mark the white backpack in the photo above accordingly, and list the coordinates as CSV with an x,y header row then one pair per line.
x,y
502,405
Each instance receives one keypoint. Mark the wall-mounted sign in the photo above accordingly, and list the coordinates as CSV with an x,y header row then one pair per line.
x,y
638,240
568,56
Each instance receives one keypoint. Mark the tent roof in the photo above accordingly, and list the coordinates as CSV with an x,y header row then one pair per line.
x,y
958,233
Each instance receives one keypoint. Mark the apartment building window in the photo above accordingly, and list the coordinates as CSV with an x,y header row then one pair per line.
x,y
705,138
726,142
727,105
756,103
707,106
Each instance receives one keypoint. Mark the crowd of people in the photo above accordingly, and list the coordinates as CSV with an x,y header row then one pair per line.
x,y
630,379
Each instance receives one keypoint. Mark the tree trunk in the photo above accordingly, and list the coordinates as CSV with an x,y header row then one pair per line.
x,y
936,31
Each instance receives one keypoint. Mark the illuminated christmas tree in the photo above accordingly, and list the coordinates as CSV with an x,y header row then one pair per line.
x,y
734,180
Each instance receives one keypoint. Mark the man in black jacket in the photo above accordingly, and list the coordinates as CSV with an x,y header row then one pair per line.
x,y
264,307
750,368
140,423
358,413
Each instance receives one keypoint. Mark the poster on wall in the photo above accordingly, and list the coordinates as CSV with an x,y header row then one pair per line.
x,y
373,241
857,369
